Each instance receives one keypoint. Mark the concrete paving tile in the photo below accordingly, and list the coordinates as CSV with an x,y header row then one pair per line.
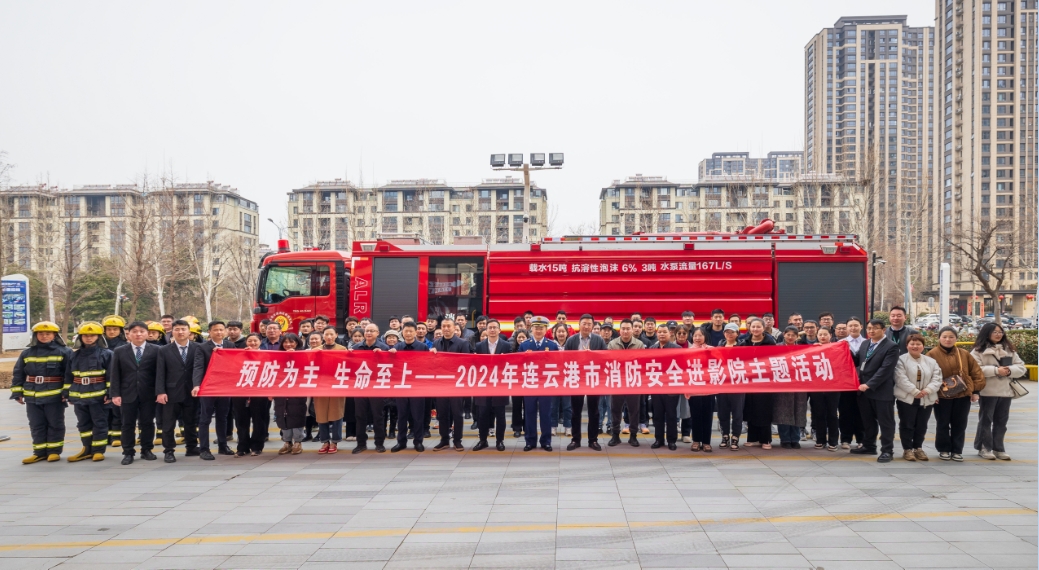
x,y
117,555
597,554
700,560
182,563
433,563
845,553
29,563
937,561
765,561
531,561
280,561
351,554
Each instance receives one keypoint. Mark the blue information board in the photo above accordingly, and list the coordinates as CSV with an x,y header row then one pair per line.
x,y
15,306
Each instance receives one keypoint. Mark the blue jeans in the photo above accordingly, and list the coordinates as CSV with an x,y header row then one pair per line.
x,y
567,408
604,411
789,434
336,429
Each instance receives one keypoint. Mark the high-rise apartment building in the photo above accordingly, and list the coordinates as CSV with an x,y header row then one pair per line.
x,y
869,116
330,215
986,145
778,165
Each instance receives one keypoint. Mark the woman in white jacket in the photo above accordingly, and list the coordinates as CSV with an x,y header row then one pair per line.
x,y
917,381
1000,364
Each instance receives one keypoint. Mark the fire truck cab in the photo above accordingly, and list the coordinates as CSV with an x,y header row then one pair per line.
x,y
655,275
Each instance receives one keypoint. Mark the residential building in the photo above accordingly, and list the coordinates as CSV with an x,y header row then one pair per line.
x,y
986,145
869,116
778,165
93,221
805,204
331,214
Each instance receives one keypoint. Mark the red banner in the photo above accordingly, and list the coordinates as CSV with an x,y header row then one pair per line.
x,y
359,374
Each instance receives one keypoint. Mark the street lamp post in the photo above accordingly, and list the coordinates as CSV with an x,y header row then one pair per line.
x,y
873,284
281,230
516,164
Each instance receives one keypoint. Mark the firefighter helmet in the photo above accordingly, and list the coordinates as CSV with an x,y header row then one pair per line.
x,y
90,327
47,326
113,321
156,327
195,328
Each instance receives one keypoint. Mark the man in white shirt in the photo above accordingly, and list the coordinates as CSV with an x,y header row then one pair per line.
x,y
848,406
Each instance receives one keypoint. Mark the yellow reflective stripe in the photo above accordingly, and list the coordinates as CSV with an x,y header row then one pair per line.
x,y
86,433
66,386
39,446
82,395
16,388
78,373
56,358
42,394
115,433
58,444
99,443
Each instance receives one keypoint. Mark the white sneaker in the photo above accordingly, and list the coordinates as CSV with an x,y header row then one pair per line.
x,y
569,433
986,454
752,444
643,429
1002,455
687,439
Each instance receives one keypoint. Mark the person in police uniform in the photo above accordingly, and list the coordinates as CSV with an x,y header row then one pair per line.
x,y
535,406
88,390
38,383
115,336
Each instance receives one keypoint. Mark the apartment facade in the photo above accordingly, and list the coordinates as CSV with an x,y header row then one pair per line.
x,y
778,165
987,143
332,214
805,204
870,93
93,220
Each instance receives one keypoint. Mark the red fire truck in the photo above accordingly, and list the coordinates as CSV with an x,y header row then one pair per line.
x,y
751,272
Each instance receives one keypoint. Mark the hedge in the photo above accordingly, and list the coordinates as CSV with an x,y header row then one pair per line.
x,y
1025,341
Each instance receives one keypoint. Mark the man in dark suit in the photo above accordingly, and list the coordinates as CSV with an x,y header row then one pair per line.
x,y
585,340
132,388
449,410
492,406
410,411
219,405
877,359
179,369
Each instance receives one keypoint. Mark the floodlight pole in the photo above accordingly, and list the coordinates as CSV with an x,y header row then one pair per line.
x,y
525,169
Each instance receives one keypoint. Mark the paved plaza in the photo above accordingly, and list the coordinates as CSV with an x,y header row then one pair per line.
x,y
622,508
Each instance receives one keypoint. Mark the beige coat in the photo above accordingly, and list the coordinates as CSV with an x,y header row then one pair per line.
x,y
998,386
329,409
907,385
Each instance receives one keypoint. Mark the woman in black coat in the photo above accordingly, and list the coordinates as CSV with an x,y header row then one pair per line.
x,y
290,413
757,407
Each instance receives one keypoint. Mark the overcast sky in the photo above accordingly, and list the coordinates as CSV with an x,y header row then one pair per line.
x,y
268,96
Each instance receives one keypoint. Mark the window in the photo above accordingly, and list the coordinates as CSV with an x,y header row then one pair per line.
x,y
455,286
284,282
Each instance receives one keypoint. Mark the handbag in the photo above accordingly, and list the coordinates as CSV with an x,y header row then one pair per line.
x,y
954,386
1018,389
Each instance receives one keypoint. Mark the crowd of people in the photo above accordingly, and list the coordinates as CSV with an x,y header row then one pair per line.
x,y
136,384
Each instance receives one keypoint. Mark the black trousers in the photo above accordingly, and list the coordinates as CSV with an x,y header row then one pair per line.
x,y
229,423
410,410
701,416
487,413
538,408
950,417
449,414
207,407
644,408
594,422
912,423
187,411
665,417
252,418
370,411
141,411
430,404
47,425
92,424
730,414
617,404
517,414
877,415
115,423
759,434
825,421
850,419
993,414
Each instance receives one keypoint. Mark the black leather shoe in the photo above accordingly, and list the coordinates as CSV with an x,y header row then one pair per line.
x,y
441,446
419,447
148,455
515,434
672,446
127,459
426,434
863,451
224,450
380,449
468,416
656,445
207,455
308,437
193,452
615,440
480,445
572,446
884,458
169,457
528,447
458,447
359,449
397,448
595,445
546,447
500,446
634,442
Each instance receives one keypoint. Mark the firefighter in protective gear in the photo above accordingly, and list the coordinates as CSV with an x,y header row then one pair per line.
x,y
156,334
115,337
89,390
196,333
41,381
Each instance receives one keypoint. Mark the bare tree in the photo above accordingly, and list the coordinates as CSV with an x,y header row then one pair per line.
x,y
203,253
69,263
239,269
988,252
136,251
172,238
